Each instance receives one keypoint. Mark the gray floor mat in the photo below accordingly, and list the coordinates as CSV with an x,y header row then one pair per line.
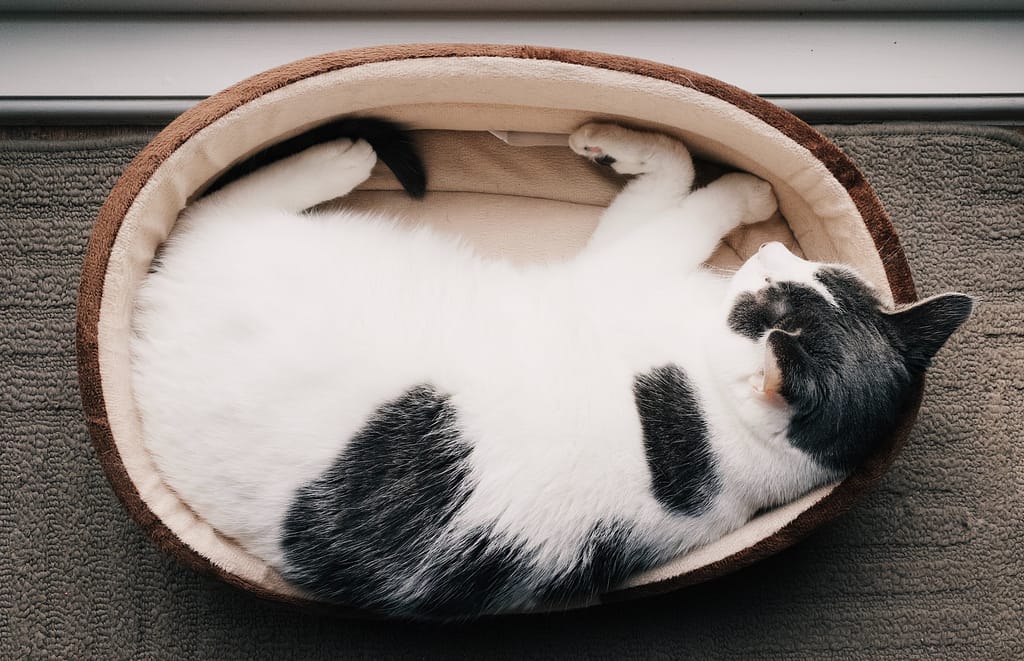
x,y
929,565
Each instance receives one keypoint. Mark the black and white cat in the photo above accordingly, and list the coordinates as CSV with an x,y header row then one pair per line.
x,y
393,422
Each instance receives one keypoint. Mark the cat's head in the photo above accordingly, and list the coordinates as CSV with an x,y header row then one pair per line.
x,y
831,353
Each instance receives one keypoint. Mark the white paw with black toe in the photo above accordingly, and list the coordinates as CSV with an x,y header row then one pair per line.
x,y
624,150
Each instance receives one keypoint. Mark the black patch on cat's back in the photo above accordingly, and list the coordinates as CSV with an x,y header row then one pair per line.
x,y
683,469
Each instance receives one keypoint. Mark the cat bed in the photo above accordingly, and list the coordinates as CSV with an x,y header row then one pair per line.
x,y
492,124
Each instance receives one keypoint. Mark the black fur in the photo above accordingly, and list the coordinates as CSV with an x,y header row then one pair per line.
x,y
392,143
484,575
683,468
784,305
376,513
847,371
379,517
477,575
609,556
920,331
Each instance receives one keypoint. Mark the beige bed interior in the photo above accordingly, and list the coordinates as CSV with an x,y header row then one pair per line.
x,y
526,203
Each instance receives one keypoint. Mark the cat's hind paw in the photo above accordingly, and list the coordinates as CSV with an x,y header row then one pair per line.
x,y
348,160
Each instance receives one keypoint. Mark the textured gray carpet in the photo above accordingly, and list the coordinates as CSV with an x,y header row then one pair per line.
x,y
927,566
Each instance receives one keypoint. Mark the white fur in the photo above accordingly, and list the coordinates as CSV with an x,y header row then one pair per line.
x,y
266,338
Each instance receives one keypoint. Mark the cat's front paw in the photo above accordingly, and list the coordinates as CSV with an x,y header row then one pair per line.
x,y
625,150
756,195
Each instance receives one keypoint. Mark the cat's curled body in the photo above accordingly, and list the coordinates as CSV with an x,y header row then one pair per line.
x,y
396,423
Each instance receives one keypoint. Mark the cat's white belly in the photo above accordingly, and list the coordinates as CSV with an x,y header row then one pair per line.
x,y
263,359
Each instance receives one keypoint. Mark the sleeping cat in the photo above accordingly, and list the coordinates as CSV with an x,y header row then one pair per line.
x,y
395,423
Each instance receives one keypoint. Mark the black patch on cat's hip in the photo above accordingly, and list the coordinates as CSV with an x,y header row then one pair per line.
x,y
368,523
676,441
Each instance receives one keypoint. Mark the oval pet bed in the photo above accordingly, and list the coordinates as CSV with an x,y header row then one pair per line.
x,y
491,122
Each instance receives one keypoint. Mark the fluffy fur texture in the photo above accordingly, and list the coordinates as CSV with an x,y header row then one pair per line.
x,y
396,423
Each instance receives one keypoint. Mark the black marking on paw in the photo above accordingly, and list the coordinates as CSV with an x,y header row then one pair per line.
x,y
605,159
683,468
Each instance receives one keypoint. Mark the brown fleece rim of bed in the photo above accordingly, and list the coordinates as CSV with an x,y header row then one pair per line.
x,y
488,87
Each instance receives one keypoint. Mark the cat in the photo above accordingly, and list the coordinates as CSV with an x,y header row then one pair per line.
x,y
395,423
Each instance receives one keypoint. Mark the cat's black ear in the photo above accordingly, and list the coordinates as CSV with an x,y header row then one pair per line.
x,y
925,326
788,368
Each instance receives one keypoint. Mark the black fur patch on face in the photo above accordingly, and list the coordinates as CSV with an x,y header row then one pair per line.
x,y
374,530
784,305
847,369
683,468
842,376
